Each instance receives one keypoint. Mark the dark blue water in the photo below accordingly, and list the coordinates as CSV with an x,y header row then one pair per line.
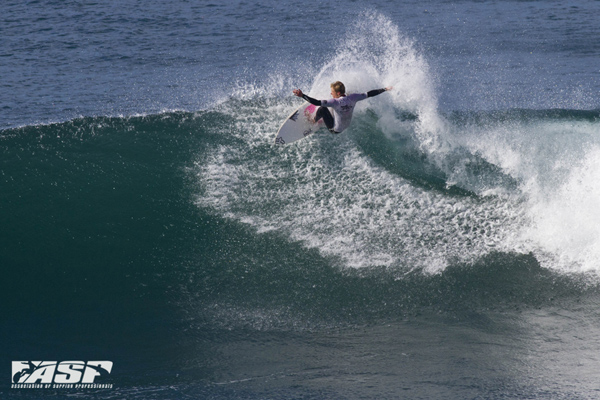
x,y
447,245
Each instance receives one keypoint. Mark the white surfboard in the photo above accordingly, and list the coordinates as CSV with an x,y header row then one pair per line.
x,y
298,125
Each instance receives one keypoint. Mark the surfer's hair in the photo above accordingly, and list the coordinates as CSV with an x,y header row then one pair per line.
x,y
338,87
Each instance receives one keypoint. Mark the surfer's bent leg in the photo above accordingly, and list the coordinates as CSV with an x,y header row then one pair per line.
x,y
323,112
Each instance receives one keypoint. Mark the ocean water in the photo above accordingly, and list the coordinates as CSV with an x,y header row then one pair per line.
x,y
445,246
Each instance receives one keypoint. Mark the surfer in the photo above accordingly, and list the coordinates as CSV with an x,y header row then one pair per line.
x,y
342,105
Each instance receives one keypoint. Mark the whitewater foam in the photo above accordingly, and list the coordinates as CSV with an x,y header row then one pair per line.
x,y
555,161
565,222
348,207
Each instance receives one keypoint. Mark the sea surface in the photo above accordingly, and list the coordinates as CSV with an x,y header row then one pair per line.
x,y
445,246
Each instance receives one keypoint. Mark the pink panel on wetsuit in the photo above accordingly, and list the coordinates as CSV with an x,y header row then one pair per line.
x,y
310,109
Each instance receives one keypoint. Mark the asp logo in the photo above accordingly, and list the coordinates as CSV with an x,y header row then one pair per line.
x,y
26,374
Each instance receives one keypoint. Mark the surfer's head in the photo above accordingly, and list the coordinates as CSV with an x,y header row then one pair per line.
x,y
337,89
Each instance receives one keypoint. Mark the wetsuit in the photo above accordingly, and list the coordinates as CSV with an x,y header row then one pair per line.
x,y
342,109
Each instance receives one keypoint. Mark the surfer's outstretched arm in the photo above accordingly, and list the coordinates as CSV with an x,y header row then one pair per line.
x,y
373,93
299,93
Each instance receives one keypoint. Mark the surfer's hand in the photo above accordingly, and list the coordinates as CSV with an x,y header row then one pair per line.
x,y
298,92
389,88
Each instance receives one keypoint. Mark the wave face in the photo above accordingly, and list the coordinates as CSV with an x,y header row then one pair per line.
x,y
500,184
201,213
